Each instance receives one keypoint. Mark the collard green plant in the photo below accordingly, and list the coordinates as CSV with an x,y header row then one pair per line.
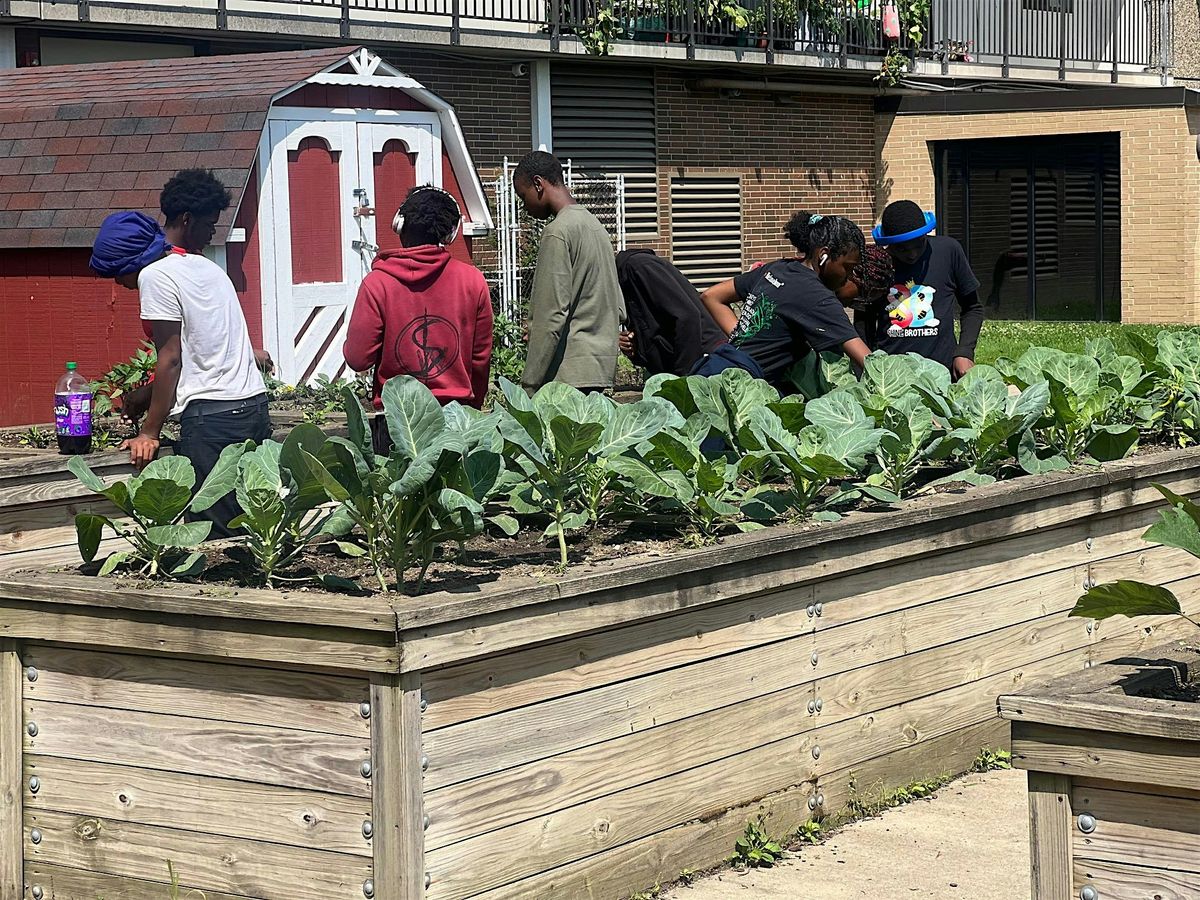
x,y
562,440
1083,421
1169,394
1179,527
156,503
282,500
403,504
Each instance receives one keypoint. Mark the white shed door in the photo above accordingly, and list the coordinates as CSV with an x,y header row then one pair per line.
x,y
323,166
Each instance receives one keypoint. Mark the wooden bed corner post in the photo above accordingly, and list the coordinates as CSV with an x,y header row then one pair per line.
x,y
1050,835
12,836
398,808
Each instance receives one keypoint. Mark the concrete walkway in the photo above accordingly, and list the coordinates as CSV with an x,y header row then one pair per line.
x,y
970,840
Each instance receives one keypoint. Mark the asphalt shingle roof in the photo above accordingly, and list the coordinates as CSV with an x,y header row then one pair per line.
x,y
70,153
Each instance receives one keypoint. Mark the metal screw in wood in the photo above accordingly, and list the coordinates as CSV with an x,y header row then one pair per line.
x,y
1087,824
368,829
35,784
1089,893
32,728
820,704
424,763
811,610
816,751
812,707
425,822
424,704
364,710
31,673
812,801
368,888
365,768
814,657
37,892
820,608
35,836
428,880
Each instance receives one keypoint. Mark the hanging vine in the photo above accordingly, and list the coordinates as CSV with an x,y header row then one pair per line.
x,y
914,16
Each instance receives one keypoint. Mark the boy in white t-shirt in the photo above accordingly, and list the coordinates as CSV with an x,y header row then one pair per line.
x,y
208,372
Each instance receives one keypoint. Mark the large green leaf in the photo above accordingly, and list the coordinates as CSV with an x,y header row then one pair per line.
x,y
836,411
1110,442
980,398
1179,351
633,423
113,561
893,376
356,422
1176,528
222,478
337,491
417,474
1126,598
172,468
574,440
88,531
556,399
414,416
305,490
647,480
482,470
161,501
184,535
1179,501
520,407
740,393
464,511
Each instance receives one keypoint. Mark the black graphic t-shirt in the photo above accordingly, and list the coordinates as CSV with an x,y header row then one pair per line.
x,y
786,311
918,316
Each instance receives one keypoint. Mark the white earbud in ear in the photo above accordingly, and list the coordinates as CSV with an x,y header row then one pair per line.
x,y
824,258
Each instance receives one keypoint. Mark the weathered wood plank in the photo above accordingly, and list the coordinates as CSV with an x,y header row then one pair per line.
x,y
210,862
324,703
1132,882
269,755
1157,565
292,606
482,804
518,736
1050,835
1144,830
491,685
236,809
62,883
660,857
1099,754
1100,712
11,727
300,646
546,841
399,841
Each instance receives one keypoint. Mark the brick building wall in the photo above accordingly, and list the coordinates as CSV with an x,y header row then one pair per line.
x,y
808,152
1160,188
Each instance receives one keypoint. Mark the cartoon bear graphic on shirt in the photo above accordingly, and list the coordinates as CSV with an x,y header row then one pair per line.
x,y
910,306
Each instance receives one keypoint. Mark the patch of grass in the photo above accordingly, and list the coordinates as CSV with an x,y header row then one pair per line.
x,y
864,807
1011,339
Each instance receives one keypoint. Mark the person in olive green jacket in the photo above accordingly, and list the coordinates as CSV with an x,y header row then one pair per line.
x,y
576,306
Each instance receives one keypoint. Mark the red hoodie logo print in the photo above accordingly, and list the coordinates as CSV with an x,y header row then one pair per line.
x,y
427,347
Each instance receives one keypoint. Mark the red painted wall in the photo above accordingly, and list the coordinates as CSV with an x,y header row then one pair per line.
x,y
54,310
395,176
244,261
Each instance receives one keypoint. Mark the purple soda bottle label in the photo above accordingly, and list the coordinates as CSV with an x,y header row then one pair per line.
x,y
73,415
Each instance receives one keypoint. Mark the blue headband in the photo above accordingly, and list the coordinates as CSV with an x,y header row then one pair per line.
x,y
884,240
127,242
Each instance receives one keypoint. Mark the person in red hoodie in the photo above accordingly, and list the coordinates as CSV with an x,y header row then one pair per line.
x,y
421,313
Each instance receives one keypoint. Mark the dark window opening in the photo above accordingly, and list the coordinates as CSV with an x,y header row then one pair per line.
x,y
1040,219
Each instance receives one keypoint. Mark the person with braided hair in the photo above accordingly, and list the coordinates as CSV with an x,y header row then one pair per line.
x,y
866,290
789,307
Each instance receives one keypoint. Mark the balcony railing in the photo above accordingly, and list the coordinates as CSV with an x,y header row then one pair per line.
x,y
1114,36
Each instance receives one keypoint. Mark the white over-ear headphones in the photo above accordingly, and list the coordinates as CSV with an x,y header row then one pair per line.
x,y
398,221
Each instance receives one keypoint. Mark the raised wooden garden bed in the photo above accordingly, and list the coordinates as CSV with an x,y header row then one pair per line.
x,y
581,736
1114,787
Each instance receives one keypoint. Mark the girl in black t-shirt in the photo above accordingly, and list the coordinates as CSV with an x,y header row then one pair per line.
x,y
789,307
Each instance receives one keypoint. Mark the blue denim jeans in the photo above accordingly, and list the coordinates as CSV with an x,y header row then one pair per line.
x,y
205,429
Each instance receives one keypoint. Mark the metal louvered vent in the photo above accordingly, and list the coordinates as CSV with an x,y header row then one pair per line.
x,y
706,228
603,121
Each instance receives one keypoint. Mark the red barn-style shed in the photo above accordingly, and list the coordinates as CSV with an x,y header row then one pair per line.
x,y
308,143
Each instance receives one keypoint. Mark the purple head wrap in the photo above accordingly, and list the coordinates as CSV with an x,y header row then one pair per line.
x,y
127,242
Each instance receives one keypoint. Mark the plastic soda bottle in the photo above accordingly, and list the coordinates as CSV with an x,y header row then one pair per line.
x,y
73,412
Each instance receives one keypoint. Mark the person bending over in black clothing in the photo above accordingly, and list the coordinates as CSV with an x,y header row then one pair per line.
x,y
668,328
932,277
789,307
